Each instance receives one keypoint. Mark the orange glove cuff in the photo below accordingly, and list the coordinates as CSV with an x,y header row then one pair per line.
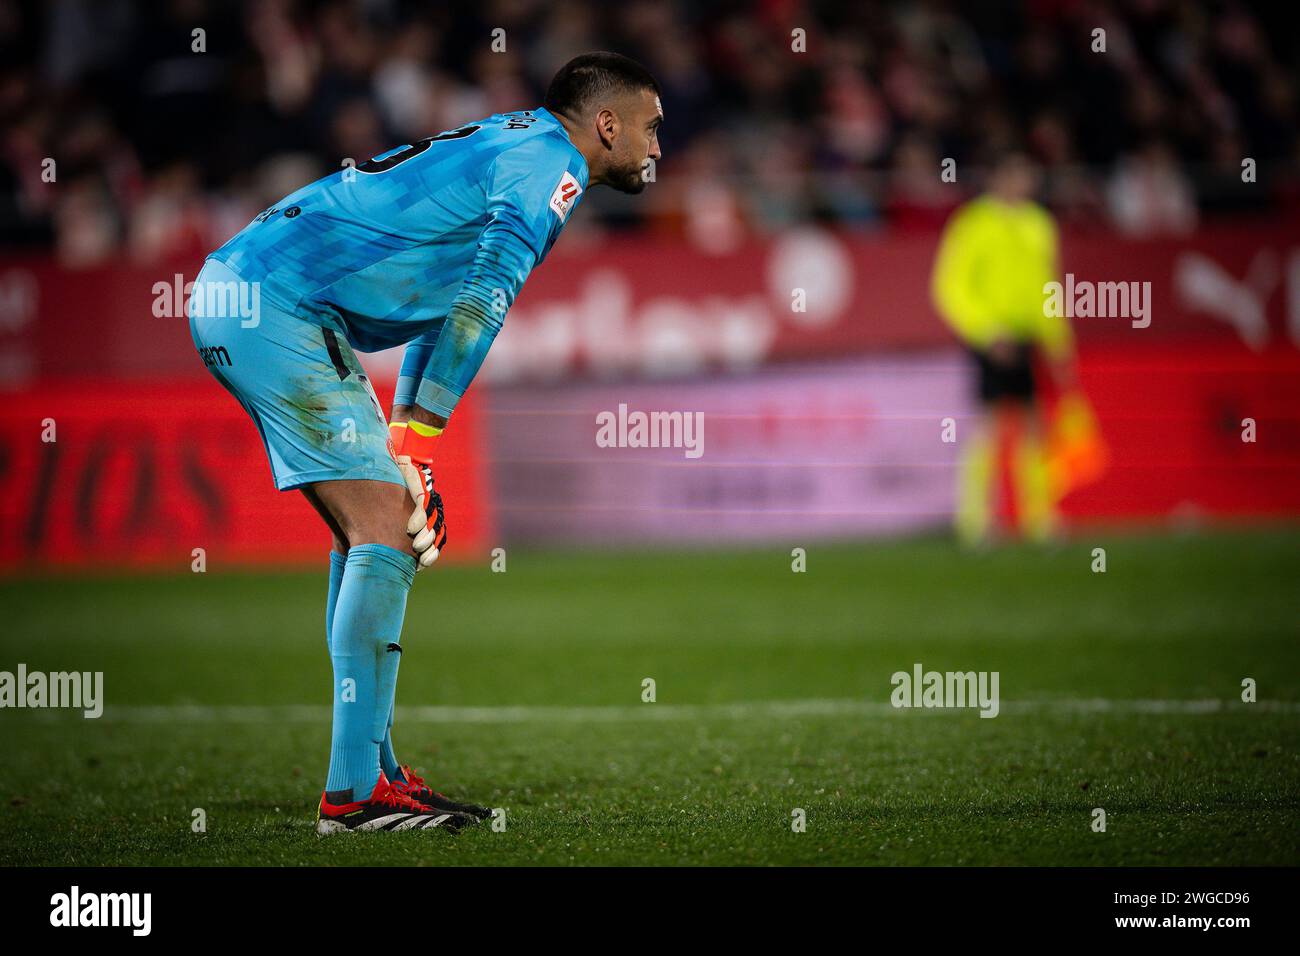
x,y
415,440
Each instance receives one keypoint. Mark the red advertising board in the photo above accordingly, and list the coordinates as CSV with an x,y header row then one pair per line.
x,y
144,473
1195,430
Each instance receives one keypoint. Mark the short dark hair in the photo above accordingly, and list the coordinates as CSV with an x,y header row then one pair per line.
x,y
586,77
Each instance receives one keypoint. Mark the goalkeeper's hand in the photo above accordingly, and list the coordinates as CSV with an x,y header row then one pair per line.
x,y
413,449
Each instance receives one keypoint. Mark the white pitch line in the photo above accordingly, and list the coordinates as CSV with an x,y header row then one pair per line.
x,y
817,707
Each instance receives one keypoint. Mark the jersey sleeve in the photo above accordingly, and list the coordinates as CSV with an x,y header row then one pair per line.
x,y
414,361
530,191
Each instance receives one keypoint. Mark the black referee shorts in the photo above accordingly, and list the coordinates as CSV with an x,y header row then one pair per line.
x,y
1006,383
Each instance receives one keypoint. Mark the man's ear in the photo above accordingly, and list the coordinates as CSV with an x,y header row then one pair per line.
x,y
607,127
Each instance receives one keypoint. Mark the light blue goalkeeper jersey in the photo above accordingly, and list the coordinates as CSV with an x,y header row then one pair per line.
x,y
426,244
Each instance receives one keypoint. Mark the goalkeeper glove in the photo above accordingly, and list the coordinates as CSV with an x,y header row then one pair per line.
x,y
413,449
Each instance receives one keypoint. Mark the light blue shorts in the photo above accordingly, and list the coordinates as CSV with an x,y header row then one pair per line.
x,y
301,384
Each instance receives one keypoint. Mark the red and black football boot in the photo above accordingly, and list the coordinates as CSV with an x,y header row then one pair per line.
x,y
386,809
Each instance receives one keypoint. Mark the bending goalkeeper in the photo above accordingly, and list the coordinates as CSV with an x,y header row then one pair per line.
x,y
426,245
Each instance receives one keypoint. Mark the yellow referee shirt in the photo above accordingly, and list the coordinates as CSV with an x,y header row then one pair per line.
x,y
994,259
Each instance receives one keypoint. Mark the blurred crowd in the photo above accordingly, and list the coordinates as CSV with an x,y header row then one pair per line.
x,y
777,111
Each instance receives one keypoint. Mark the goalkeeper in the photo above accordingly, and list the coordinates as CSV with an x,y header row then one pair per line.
x,y
996,254
427,244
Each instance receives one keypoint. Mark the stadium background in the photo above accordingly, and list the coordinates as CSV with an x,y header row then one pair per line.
x,y
814,170
781,170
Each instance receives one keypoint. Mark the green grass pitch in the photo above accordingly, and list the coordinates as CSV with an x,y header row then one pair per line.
x,y
523,691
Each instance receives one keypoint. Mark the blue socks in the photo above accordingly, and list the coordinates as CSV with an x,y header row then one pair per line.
x,y
387,759
364,641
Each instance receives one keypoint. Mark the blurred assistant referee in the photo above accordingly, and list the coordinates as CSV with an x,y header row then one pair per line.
x,y
996,254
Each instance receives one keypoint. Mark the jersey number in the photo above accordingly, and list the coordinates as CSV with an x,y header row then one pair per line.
x,y
415,149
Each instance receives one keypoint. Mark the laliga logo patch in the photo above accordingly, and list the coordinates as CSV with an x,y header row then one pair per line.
x,y
565,193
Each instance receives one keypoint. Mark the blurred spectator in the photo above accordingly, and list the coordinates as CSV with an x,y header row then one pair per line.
x,y
1148,195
